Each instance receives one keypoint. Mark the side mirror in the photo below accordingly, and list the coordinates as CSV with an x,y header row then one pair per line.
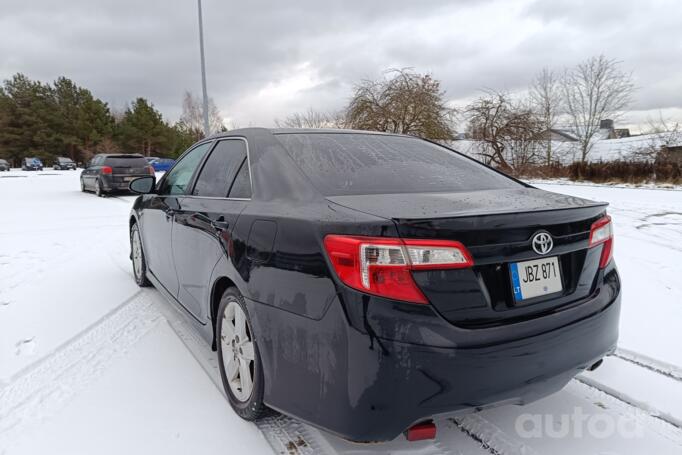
x,y
143,185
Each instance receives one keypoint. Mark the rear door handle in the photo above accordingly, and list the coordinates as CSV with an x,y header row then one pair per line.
x,y
218,225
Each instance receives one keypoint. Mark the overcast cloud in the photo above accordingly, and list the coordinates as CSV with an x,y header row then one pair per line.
x,y
268,59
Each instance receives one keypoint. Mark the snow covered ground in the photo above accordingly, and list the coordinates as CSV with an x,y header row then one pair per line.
x,y
89,363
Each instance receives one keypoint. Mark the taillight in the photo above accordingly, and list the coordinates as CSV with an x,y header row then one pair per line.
x,y
107,170
383,266
150,169
602,233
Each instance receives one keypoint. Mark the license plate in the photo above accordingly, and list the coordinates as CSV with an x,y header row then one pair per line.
x,y
127,179
535,278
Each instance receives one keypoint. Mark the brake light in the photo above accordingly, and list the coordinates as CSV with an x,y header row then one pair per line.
x,y
382,266
107,170
150,169
601,232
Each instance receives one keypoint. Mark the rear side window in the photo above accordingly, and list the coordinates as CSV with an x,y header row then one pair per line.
x,y
241,188
220,169
346,164
125,161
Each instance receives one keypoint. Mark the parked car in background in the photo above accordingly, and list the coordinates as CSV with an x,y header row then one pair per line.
x,y
368,282
32,164
4,165
107,173
151,158
64,164
162,164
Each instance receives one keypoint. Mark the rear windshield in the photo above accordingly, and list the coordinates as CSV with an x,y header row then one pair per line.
x,y
65,160
126,161
348,164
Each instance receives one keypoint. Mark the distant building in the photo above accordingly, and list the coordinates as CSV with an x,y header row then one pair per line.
x,y
607,144
557,135
672,153
613,133
606,131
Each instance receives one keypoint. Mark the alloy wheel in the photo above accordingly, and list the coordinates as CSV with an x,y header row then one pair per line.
x,y
137,254
238,351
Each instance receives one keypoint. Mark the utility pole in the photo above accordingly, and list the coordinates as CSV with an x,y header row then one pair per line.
x,y
207,131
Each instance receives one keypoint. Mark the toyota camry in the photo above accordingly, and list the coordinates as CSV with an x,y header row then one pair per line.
x,y
367,283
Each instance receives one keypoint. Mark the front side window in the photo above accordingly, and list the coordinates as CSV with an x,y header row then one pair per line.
x,y
220,169
177,179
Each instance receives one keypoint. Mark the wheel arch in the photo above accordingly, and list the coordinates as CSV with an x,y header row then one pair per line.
x,y
220,285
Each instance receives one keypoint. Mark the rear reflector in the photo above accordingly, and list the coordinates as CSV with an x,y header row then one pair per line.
x,y
107,170
383,266
421,431
602,233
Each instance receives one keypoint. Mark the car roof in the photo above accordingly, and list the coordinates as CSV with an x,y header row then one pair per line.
x,y
277,131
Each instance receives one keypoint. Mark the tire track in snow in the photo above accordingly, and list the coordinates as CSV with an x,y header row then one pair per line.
x,y
285,435
625,398
42,389
657,366
628,407
490,436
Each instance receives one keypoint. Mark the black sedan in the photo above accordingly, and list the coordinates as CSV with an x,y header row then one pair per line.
x,y
108,173
367,282
64,164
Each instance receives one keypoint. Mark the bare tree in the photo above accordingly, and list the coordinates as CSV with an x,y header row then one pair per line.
x,y
662,134
311,119
594,90
507,130
546,99
402,102
192,116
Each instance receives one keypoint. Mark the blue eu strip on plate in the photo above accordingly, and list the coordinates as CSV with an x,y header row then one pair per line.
x,y
515,281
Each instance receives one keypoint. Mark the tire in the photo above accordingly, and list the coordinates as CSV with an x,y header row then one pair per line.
x,y
98,189
82,185
137,258
248,404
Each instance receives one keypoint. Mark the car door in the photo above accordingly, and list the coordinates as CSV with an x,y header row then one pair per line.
x,y
89,172
159,213
204,220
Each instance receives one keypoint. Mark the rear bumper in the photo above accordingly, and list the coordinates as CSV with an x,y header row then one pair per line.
x,y
369,369
413,383
110,183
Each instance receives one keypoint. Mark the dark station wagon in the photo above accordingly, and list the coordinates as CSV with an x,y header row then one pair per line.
x,y
108,173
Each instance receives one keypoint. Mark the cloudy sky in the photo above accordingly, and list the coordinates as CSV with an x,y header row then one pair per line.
x,y
266,59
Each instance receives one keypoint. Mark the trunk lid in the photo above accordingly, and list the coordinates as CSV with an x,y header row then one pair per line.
x,y
124,167
443,205
496,226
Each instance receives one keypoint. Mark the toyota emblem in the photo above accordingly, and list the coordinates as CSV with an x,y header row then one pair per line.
x,y
542,243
